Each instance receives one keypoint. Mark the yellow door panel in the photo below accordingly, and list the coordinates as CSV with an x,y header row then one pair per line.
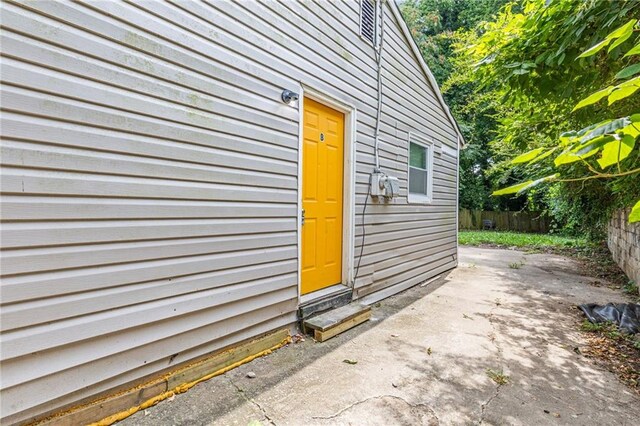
x,y
322,181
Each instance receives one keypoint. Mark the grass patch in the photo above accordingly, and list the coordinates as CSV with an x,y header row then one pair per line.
x,y
519,239
516,265
631,288
593,327
608,328
498,376
595,258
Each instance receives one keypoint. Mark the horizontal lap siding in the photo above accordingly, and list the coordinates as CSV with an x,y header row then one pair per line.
x,y
149,199
149,181
406,244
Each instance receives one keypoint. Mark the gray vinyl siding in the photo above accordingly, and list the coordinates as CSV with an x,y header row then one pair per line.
x,y
149,181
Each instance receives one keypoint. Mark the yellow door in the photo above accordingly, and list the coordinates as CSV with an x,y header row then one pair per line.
x,y
322,175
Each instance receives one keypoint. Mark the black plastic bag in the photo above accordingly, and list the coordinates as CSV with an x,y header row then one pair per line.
x,y
626,315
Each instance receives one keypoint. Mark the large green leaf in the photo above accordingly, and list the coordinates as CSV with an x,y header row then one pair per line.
x,y
594,144
543,156
538,182
568,137
595,49
635,81
622,34
635,213
569,157
629,71
632,129
512,189
609,127
616,151
622,30
566,157
527,156
589,128
634,51
593,98
622,93
521,187
619,41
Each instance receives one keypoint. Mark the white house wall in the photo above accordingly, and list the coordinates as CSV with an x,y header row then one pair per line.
x,y
149,185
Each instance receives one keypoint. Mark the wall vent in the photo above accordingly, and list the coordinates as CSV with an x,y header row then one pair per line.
x,y
368,20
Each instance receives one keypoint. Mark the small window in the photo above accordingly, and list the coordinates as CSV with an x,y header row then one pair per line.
x,y
420,169
368,20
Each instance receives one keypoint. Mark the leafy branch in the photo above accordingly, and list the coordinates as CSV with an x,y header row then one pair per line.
x,y
612,140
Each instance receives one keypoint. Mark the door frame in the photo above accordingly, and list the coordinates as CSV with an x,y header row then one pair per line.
x,y
348,181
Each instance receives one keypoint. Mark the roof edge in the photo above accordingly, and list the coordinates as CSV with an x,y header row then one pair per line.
x,y
425,68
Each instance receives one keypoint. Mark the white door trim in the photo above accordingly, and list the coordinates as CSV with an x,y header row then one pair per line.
x,y
349,180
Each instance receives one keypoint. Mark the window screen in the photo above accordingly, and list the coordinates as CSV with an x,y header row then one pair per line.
x,y
420,165
368,19
418,172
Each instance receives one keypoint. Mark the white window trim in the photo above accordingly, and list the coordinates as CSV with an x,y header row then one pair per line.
x,y
429,145
375,24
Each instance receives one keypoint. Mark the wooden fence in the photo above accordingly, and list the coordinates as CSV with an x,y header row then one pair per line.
x,y
504,221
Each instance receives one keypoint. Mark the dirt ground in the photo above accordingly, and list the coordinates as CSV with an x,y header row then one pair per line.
x,y
493,342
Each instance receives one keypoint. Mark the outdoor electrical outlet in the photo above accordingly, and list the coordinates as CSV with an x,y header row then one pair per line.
x,y
384,186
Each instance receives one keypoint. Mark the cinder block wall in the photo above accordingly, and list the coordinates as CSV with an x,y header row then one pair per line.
x,y
624,243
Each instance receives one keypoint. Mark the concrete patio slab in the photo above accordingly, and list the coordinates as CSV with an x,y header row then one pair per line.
x,y
424,359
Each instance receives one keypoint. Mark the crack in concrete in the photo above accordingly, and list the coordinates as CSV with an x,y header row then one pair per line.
x,y
486,404
493,340
252,401
494,335
371,398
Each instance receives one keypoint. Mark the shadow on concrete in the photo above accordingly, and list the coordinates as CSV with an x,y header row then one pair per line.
x,y
221,395
519,322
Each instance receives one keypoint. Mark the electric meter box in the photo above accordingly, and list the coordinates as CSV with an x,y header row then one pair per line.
x,y
385,186
391,187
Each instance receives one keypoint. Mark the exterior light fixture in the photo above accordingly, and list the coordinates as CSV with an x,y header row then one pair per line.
x,y
289,97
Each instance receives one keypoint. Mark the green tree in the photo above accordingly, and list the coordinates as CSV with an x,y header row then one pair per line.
x,y
433,24
528,61
436,26
604,147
